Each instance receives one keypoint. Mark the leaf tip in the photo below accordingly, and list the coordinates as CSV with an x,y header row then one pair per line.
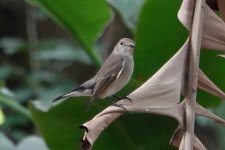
x,y
84,143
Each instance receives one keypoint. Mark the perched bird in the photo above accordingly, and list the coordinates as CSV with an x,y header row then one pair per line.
x,y
114,74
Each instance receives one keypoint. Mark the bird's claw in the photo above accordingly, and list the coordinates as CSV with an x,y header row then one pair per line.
x,y
119,105
124,97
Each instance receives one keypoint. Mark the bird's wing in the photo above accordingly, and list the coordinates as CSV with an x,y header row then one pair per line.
x,y
111,71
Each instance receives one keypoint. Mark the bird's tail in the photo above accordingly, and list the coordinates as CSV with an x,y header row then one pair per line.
x,y
79,91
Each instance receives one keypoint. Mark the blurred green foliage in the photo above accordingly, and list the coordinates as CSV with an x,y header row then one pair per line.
x,y
2,117
31,142
84,19
158,35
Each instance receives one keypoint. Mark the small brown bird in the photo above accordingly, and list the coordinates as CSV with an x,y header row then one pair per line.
x,y
114,74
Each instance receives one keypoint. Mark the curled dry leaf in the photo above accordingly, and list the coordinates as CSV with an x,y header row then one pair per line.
x,y
214,31
95,126
177,137
213,27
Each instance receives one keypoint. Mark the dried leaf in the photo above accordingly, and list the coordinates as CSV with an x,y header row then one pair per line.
x,y
198,144
192,16
214,31
185,13
177,137
201,111
178,140
181,147
207,85
214,27
95,126
164,87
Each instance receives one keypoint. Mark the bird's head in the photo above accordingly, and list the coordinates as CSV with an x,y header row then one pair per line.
x,y
125,46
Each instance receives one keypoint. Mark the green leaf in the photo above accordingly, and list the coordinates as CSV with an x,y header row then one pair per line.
x,y
84,19
59,125
61,51
2,117
7,98
159,35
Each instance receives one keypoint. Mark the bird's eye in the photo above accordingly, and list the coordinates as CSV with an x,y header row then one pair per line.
x,y
121,43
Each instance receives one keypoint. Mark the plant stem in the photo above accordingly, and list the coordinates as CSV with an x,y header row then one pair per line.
x,y
194,56
32,37
15,106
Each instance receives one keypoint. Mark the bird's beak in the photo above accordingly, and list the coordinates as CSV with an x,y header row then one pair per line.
x,y
132,45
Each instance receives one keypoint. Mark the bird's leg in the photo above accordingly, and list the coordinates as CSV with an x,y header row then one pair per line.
x,y
124,97
119,105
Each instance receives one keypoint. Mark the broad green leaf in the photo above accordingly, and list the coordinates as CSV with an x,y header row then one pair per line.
x,y
61,51
84,19
60,125
159,35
